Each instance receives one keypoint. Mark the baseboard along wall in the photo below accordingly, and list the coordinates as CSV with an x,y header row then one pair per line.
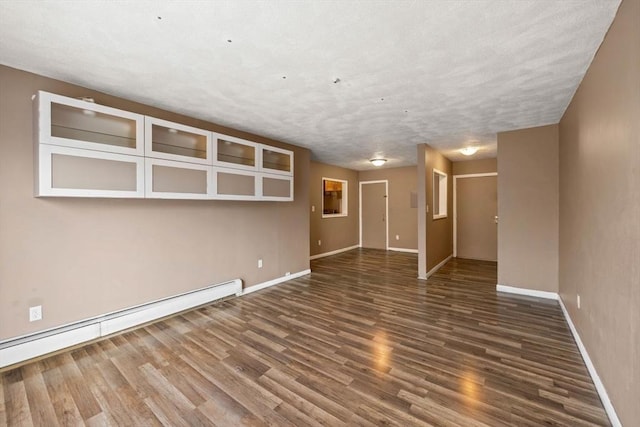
x,y
410,251
337,251
437,267
24,348
602,392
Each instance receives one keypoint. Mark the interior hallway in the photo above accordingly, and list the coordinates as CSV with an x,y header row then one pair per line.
x,y
360,341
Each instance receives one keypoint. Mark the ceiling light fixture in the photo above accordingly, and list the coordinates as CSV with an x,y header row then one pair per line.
x,y
469,151
378,162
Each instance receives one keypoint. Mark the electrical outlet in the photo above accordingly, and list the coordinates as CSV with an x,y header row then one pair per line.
x,y
313,208
397,237
288,273
578,301
35,313
259,263
319,242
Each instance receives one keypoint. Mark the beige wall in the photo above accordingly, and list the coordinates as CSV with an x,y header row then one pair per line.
x,y
475,166
403,219
600,211
84,257
337,232
435,236
528,208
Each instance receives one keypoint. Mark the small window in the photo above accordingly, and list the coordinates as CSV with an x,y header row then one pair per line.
x,y
334,197
439,194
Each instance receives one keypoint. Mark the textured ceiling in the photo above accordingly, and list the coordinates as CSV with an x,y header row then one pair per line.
x,y
447,73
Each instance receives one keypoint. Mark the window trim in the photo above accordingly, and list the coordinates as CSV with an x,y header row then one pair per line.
x,y
345,198
441,179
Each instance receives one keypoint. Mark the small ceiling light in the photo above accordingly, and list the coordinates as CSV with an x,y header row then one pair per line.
x,y
378,162
172,130
469,151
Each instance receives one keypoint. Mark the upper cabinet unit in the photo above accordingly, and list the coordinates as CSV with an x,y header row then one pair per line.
x,y
173,141
239,153
83,149
236,153
82,124
276,160
73,172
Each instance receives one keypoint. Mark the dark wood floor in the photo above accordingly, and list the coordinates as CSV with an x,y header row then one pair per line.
x,y
360,341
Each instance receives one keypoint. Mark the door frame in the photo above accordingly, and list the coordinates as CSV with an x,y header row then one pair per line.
x,y
455,204
386,209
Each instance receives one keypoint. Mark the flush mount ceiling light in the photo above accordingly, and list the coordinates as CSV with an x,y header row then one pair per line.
x,y
469,151
378,162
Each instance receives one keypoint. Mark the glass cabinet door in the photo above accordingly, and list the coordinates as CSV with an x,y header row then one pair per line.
x,y
79,123
169,179
277,160
277,187
235,153
234,184
74,172
173,141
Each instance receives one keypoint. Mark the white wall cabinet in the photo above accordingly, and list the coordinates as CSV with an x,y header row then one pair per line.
x,y
173,141
276,187
231,184
276,160
84,149
236,153
80,124
73,172
167,179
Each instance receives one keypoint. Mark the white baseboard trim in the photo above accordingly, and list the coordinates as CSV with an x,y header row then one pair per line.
x,y
274,281
602,392
411,251
527,292
337,251
437,267
40,343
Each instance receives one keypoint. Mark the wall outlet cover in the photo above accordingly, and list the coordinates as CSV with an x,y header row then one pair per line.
x,y
35,313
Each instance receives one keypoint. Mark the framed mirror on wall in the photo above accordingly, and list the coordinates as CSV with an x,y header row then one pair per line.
x,y
334,197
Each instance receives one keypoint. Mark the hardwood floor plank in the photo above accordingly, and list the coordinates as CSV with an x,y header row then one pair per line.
x,y
41,407
16,400
3,407
359,342
65,408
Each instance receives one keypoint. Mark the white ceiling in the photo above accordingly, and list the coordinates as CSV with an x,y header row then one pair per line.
x,y
442,72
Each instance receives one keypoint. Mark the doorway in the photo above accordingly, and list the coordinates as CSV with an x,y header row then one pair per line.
x,y
475,210
374,214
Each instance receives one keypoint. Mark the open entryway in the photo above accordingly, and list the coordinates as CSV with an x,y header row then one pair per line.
x,y
475,226
374,212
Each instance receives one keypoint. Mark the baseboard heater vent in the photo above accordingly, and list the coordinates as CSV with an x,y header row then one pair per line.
x,y
26,347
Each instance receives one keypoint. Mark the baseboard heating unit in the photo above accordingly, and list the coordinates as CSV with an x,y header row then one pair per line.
x,y
16,350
